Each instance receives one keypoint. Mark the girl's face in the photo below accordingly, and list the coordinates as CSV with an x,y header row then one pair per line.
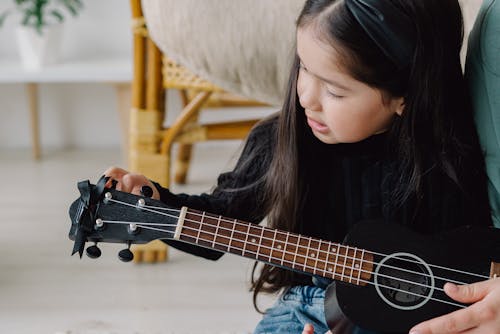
x,y
339,108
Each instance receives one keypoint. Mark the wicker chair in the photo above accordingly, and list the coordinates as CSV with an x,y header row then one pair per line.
x,y
150,144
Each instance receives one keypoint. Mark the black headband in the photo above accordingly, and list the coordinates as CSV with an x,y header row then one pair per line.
x,y
391,29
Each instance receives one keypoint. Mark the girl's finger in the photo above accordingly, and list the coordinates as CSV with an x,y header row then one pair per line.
x,y
308,329
114,173
132,183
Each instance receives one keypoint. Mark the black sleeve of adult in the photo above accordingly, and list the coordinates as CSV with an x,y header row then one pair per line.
x,y
238,192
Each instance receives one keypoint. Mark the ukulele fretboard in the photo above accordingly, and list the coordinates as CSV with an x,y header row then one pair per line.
x,y
285,249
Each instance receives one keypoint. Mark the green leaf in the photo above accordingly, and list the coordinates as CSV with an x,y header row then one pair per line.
x,y
39,29
3,17
72,10
37,13
73,6
70,6
27,15
57,15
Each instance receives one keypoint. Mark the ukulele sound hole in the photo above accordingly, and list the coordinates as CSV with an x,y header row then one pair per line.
x,y
404,281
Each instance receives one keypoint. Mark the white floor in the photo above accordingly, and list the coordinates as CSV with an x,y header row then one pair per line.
x,y
45,290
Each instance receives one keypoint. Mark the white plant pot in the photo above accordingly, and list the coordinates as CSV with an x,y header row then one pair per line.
x,y
37,50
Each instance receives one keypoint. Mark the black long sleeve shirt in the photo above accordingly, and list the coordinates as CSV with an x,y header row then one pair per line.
x,y
351,182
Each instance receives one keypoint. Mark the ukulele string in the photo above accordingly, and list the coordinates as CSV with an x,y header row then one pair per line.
x,y
292,263
340,245
347,256
148,226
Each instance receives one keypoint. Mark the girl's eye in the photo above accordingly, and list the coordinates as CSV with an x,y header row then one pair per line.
x,y
334,95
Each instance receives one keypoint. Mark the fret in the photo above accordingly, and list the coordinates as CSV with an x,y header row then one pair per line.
x,y
231,237
260,242
285,248
246,240
336,250
296,251
199,230
228,238
361,264
345,262
317,257
216,230
253,240
354,264
308,253
328,267
325,250
272,246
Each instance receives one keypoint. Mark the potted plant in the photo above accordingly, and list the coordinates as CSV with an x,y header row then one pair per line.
x,y
40,31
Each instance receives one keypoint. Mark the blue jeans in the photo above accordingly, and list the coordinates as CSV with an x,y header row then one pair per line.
x,y
296,307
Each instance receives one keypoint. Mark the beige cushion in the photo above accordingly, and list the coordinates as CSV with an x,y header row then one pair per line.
x,y
243,46
470,8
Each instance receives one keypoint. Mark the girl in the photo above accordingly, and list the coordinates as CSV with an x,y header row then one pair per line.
x,y
376,124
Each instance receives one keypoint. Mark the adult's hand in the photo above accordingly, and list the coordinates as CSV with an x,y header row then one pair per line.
x,y
482,317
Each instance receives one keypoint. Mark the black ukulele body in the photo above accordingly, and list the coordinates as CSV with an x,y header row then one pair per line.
x,y
380,309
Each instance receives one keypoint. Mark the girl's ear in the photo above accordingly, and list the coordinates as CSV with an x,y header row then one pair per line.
x,y
398,105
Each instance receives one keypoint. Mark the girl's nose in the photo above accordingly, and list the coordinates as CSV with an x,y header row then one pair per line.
x,y
310,98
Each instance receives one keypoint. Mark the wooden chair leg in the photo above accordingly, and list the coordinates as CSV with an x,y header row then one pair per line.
x,y
181,165
187,114
144,157
152,252
146,119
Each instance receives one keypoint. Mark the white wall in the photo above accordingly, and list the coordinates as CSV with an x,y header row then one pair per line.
x,y
80,115
71,115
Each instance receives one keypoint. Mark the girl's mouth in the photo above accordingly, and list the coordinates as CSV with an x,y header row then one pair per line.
x,y
317,126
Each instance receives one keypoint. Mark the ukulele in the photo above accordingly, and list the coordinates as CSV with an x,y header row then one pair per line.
x,y
388,278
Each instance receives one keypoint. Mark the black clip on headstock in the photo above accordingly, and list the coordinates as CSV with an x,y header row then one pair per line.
x,y
82,213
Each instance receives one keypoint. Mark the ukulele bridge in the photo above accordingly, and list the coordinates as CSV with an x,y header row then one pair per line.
x,y
495,270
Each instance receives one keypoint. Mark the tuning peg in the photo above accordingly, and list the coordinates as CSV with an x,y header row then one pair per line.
x,y
93,251
126,255
146,191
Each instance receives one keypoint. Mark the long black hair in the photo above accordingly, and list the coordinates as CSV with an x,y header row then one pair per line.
x,y
435,131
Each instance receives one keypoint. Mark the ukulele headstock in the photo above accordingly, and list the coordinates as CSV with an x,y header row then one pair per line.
x,y
103,214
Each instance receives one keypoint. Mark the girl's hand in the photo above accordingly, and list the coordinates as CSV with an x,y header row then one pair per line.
x,y
130,182
481,317
309,329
